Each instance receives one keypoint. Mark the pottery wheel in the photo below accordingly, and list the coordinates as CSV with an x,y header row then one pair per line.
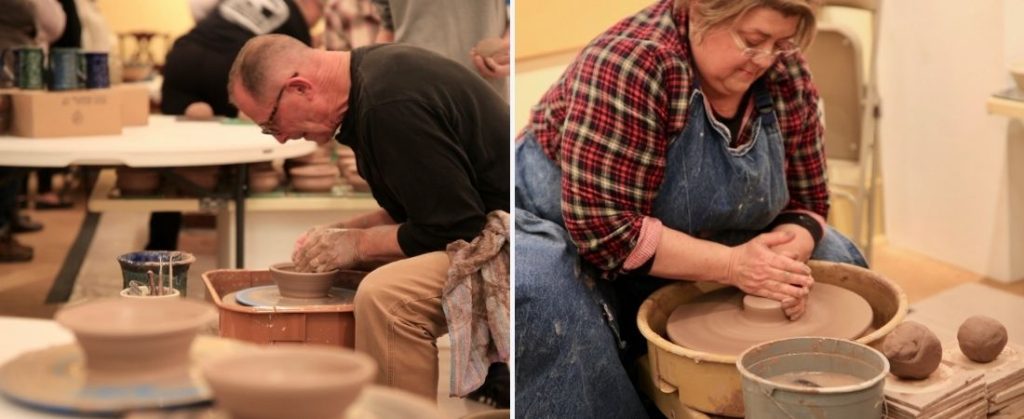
x,y
55,379
270,296
728,321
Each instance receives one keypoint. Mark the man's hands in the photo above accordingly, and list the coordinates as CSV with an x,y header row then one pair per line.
x,y
757,268
322,249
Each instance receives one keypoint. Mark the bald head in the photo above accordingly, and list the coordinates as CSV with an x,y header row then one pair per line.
x,y
262,59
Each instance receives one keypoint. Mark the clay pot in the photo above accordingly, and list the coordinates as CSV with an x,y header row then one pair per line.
x,y
203,176
199,111
289,381
321,155
294,284
136,72
263,181
137,181
128,336
314,177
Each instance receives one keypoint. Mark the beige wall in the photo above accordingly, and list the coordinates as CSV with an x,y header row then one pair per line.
x,y
954,183
550,26
162,16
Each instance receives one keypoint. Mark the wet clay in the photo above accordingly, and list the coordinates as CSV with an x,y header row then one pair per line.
x,y
914,352
816,379
981,338
728,322
294,284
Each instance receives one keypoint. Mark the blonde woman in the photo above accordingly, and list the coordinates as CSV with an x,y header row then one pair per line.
x,y
684,143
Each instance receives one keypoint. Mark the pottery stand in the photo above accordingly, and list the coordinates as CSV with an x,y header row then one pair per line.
x,y
710,382
327,324
962,388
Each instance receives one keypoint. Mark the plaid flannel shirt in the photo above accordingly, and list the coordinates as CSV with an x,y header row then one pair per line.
x,y
610,118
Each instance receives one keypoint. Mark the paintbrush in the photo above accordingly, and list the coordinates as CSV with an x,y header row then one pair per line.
x,y
160,275
170,269
150,275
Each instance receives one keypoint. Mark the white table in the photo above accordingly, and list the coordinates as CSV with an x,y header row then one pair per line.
x,y
165,142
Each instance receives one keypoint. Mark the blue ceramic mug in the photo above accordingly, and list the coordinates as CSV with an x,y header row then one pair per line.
x,y
28,65
97,70
67,69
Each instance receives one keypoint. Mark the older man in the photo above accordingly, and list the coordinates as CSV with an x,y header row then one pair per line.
x,y
431,139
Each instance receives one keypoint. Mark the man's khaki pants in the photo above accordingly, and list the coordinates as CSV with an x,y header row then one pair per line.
x,y
398,317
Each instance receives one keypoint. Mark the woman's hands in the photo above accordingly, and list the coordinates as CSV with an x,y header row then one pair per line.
x,y
756,268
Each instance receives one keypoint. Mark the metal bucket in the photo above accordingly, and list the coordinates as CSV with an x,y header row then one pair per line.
x,y
855,390
135,266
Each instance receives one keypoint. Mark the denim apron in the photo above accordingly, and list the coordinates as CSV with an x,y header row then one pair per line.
x,y
568,337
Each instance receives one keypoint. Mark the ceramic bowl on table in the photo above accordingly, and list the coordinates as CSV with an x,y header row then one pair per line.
x,y
263,180
205,177
289,381
137,181
314,177
126,336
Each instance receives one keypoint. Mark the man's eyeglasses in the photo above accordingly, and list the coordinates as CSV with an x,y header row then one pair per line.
x,y
268,126
752,53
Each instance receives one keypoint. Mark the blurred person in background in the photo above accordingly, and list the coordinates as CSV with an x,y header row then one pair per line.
x,y
453,28
196,68
23,23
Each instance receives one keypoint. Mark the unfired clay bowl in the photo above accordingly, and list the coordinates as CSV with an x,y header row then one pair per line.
x,y
203,176
289,381
263,181
294,284
137,181
129,336
314,177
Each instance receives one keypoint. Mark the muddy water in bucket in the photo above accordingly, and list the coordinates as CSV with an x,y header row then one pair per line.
x,y
811,377
172,266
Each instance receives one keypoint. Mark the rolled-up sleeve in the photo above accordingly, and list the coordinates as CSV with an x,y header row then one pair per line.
x,y
613,146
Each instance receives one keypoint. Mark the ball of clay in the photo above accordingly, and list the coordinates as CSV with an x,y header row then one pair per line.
x,y
199,110
914,352
981,338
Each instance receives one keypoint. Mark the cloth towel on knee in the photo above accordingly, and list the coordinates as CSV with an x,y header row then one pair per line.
x,y
475,299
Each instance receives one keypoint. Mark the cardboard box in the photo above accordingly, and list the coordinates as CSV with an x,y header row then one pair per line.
x,y
134,103
42,114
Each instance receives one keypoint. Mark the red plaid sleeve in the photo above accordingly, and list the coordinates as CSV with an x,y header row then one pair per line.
x,y
614,143
800,120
